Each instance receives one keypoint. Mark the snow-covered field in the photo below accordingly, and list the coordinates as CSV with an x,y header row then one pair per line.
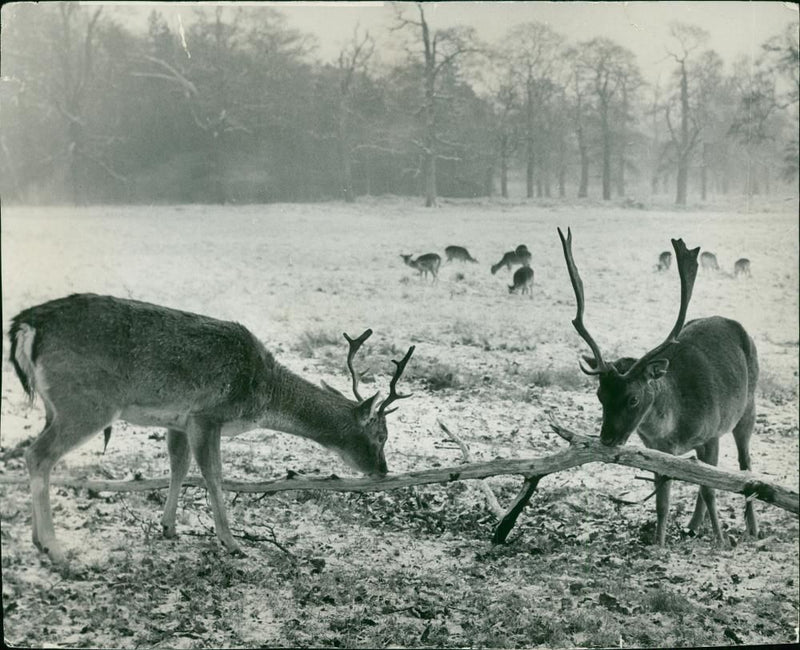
x,y
300,275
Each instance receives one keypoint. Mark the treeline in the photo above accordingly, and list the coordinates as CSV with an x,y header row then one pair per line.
x,y
231,107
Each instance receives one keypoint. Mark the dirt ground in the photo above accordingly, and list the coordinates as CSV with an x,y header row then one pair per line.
x,y
412,567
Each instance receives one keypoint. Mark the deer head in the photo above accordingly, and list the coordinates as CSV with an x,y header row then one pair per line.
x,y
627,386
370,415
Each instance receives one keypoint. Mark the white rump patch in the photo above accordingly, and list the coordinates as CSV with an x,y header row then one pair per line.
x,y
24,356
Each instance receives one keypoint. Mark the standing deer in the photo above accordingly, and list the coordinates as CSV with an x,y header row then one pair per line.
x,y
458,253
709,261
681,395
523,281
96,359
424,264
520,255
741,267
664,261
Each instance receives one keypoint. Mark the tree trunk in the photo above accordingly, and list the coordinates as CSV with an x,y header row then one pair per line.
x,y
704,173
530,150
682,181
430,180
583,187
683,147
345,160
529,167
504,167
606,172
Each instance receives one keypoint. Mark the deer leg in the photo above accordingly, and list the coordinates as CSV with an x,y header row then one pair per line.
x,y
709,453
663,488
699,516
59,436
204,439
741,433
179,460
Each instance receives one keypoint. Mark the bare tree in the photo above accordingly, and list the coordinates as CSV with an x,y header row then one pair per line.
x,y
533,49
687,39
605,68
579,107
441,50
352,62
630,83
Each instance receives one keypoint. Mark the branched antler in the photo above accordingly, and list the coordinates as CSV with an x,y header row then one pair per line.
x,y
687,269
393,394
355,344
577,285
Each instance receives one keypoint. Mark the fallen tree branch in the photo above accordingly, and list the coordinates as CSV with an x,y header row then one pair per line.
x,y
582,450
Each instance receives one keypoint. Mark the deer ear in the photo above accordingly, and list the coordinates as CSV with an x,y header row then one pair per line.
x,y
330,388
656,369
589,361
367,409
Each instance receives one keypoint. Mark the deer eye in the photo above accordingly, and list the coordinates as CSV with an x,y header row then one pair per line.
x,y
633,401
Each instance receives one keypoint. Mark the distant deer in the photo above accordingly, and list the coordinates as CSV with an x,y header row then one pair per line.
x,y
96,359
523,281
709,261
424,264
742,267
664,261
521,255
458,253
523,252
681,395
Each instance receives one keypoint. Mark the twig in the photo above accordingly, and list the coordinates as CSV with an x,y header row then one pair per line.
x,y
491,499
508,520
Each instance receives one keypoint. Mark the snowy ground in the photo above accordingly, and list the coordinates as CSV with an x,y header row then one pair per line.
x,y
298,276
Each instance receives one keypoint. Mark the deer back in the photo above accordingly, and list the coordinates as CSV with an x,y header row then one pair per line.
x,y
156,366
123,352
523,279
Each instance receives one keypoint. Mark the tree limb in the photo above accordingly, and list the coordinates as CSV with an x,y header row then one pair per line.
x,y
582,449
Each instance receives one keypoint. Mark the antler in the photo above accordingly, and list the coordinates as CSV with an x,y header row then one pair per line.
x,y
577,285
393,394
687,269
355,344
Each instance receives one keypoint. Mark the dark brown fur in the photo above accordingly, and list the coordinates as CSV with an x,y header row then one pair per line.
x,y
458,253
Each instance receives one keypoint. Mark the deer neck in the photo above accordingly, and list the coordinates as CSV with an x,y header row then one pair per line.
x,y
294,405
658,425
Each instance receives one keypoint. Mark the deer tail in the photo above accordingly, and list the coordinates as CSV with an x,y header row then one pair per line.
x,y
22,338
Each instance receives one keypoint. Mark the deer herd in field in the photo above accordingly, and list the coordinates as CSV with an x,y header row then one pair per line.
x,y
95,359
522,281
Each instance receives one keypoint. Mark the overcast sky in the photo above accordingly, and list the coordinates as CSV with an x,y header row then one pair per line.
x,y
735,27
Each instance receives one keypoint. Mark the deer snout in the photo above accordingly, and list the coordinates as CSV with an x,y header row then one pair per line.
x,y
383,469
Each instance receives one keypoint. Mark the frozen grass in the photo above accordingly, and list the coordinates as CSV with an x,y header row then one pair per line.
x,y
411,568
311,341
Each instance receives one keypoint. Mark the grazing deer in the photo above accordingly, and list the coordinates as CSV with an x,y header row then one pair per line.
x,y
664,261
709,261
458,253
681,395
520,255
424,264
523,281
96,359
741,267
